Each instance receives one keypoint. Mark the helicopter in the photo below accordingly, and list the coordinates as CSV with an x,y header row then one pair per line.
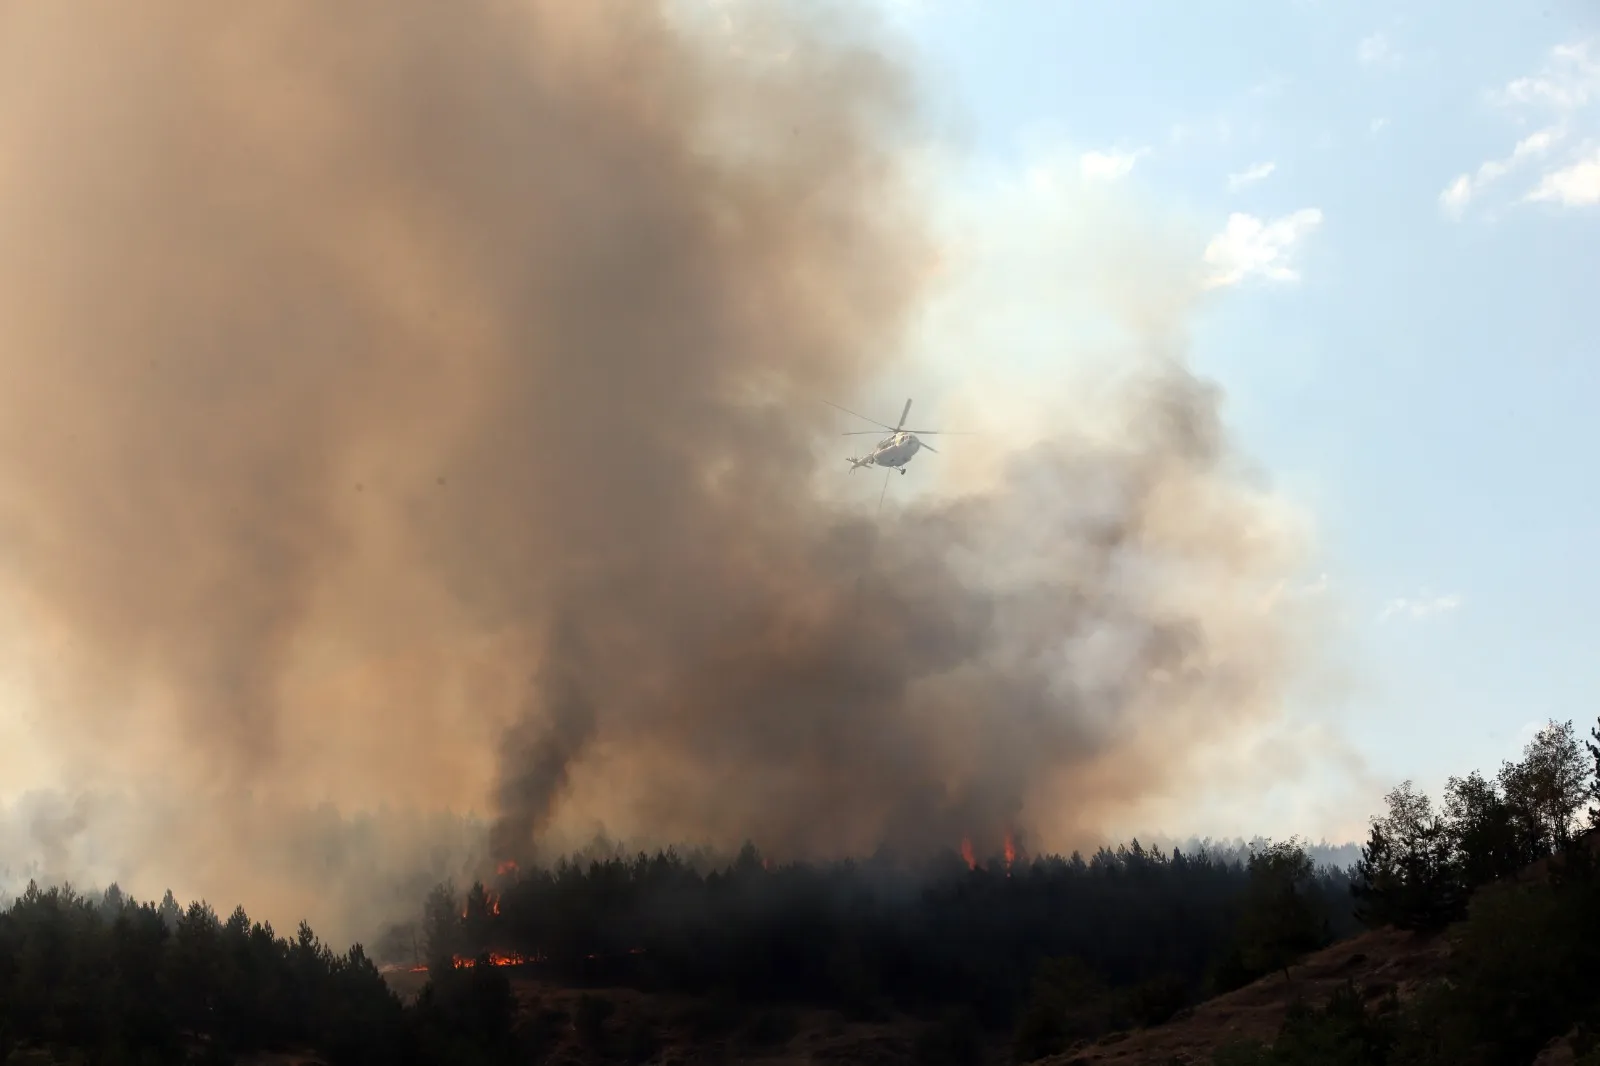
x,y
894,451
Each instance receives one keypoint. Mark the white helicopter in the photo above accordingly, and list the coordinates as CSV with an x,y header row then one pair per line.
x,y
893,451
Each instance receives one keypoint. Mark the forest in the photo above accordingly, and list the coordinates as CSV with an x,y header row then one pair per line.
x,y
1032,955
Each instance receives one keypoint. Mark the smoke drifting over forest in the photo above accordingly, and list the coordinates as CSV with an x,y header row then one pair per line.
x,y
409,407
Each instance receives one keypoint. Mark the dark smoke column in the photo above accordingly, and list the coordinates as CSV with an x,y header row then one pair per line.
x,y
539,747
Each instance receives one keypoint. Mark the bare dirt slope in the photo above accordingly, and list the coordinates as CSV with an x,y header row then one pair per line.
x,y
1378,962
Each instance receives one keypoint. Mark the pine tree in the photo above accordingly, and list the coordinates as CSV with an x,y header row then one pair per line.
x,y
170,912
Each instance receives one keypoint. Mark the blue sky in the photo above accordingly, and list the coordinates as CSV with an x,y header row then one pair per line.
x,y
1405,205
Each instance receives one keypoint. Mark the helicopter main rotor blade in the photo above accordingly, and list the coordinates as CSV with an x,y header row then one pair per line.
x,y
863,417
941,432
903,415
860,433
930,447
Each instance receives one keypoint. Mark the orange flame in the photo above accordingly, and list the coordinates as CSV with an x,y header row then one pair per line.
x,y
496,958
507,868
506,958
1011,851
966,853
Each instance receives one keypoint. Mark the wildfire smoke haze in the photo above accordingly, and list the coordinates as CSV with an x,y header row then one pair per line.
x,y
410,408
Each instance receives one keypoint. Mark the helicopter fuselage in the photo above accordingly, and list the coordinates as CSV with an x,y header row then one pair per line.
x,y
893,451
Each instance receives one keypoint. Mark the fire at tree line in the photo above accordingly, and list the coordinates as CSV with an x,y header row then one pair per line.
x,y
1016,956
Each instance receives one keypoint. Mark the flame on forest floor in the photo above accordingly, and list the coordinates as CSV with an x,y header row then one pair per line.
x,y
496,958
503,958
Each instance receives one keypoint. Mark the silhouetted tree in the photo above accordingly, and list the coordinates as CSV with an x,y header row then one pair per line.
x,y
1406,876
1483,832
111,904
1547,788
476,921
1594,779
1281,921
442,937
170,912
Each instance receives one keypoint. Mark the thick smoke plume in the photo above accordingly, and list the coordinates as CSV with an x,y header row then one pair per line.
x,y
414,406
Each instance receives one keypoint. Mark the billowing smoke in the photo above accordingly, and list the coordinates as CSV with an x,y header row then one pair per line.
x,y
412,407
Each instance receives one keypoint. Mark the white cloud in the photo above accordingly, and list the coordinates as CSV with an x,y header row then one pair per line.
x,y
1456,195
1250,175
1569,81
1534,144
1577,185
1418,608
1376,50
1562,94
1108,166
1460,192
1248,247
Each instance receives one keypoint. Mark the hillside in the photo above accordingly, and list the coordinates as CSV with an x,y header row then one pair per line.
x,y
1386,966
1377,962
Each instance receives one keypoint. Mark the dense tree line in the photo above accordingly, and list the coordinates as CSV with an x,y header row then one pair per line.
x,y
1128,936
1123,937
861,935
112,981
1514,864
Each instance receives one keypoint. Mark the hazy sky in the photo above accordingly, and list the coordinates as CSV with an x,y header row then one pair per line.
x,y
1403,203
